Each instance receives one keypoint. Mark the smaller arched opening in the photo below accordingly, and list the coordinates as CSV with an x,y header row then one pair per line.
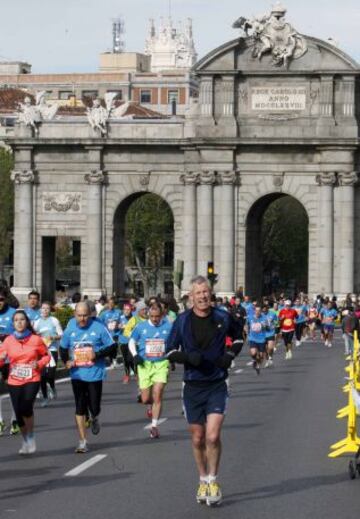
x,y
277,245
143,246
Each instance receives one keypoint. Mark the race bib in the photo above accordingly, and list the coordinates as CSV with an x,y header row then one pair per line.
x,y
256,327
288,322
112,326
155,348
83,352
21,371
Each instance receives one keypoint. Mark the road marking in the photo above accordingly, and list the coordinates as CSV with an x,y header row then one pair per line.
x,y
86,465
162,420
238,371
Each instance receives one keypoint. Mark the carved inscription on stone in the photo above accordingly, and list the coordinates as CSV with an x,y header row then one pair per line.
x,y
61,202
278,98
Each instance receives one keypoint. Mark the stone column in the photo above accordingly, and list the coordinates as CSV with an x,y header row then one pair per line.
x,y
205,221
23,233
227,239
344,236
189,228
95,181
326,182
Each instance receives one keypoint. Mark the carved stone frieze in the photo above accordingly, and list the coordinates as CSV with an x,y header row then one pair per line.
x,y
62,202
278,180
23,177
144,180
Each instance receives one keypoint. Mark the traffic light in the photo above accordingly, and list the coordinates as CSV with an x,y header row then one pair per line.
x,y
212,277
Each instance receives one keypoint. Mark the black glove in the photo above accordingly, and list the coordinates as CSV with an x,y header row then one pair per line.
x,y
138,361
177,356
194,358
225,361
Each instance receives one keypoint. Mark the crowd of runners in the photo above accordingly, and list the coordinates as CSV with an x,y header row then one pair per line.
x,y
203,333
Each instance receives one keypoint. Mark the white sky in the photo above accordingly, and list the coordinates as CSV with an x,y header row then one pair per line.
x,y
68,35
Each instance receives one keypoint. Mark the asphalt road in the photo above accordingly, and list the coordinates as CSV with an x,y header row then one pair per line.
x,y
275,444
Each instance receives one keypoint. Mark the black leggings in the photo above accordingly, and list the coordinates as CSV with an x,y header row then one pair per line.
x,y
48,376
127,358
287,337
87,396
22,399
299,328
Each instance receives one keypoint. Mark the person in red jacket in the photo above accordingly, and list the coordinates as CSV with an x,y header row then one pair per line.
x,y
27,355
287,318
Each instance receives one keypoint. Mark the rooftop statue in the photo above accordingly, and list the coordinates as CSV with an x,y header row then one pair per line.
x,y
98,116
47,111
272,34
32,115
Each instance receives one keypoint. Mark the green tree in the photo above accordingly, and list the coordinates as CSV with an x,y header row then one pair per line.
x,y
149,225
284,239
6,206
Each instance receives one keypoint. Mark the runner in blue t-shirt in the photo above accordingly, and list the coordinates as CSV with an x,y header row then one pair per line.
x,y
147,345
129,367
257,324
301,319
271,323
328,318
111,317
32,309
83,349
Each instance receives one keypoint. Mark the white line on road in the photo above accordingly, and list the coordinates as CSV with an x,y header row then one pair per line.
x,y
86,465
162,420
239,371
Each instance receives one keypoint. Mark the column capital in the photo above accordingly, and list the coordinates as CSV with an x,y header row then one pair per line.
x,y
207,178
95,177
23,176
228,178
349,178
326,178
189,178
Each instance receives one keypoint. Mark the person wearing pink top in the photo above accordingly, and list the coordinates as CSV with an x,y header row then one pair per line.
x,y
27,355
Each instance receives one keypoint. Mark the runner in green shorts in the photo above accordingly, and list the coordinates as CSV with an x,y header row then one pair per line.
x,y
147,345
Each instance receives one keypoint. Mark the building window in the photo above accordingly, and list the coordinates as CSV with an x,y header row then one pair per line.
x,y
168,254
173,96
65,94
145,96
119,94
92,94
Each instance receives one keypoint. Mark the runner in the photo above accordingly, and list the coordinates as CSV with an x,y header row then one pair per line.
x,y
329,315
197,340
124,344
83,349
257,324
271,321
147,345
6,328
27,355
300,321
287,318
49,328
111,317
32,309
312,322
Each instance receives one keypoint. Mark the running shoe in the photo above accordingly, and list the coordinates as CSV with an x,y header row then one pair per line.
x,y
82,447
149,413
52,394
290,354
95,426
44,402
24,448
2,427
14,429
297,344
154,433
202,492
31,445
214,496
329,345
257,368
126,379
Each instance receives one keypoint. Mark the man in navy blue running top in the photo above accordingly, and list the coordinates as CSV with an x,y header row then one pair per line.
x,y
197,340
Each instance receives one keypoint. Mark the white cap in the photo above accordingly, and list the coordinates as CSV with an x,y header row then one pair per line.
x,y
288,302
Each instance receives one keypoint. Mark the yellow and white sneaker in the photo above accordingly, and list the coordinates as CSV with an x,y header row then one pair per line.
x,y
214,494
202,492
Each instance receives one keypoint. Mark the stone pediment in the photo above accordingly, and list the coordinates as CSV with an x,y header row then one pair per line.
x,y
238,55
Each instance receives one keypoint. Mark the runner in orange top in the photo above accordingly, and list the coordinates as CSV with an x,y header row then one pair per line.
x,y
27,355
287,317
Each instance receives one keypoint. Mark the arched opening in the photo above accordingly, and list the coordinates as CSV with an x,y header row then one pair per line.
x,y
277,245
143,257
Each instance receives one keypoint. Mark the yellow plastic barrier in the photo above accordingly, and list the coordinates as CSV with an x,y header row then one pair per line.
x,y
351,443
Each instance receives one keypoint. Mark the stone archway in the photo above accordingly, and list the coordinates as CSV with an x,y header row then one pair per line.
x,y
263,276
121,266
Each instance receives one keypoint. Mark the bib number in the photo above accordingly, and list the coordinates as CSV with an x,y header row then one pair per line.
x,y
288,322
256,327
83,355
155,348
21,372
112,326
